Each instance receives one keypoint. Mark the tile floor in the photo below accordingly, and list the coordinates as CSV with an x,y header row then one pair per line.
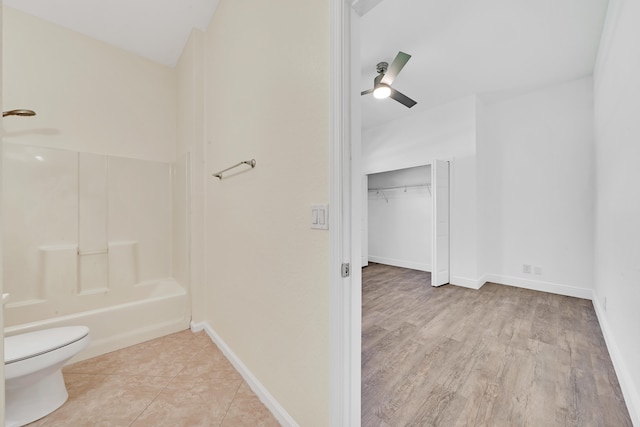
x,y
182,379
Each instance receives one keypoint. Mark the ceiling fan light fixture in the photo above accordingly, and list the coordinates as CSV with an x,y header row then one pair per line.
x,y
386,75
382,91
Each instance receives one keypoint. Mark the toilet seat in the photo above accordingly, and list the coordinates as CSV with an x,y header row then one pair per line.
x,y
32,344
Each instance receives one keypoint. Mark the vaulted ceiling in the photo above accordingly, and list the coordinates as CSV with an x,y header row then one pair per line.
x,y
459,47
154,29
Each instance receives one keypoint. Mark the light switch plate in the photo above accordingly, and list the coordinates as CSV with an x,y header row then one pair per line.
x,y
320,217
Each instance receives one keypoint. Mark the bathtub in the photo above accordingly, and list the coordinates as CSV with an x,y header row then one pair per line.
x,y
152,309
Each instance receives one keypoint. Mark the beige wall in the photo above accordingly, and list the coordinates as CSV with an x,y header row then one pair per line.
x,y
89,96
2,398
267,288
256,85
111,106
190,142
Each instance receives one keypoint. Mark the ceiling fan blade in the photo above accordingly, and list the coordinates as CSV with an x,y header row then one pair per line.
x,y
365,92
398,63
401,98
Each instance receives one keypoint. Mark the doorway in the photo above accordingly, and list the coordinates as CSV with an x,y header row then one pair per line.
x,y
399,218
405,219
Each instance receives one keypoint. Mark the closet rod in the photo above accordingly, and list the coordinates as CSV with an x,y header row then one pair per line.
x,y
400,186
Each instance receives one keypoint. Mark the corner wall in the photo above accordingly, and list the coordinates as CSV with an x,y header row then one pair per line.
x,y
190,148
267,272
522,183
536,189
617,210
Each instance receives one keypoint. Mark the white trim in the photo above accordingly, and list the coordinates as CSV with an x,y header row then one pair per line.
x,y
400,263
344,375
482,280
629,391
466,282
260,390
535,285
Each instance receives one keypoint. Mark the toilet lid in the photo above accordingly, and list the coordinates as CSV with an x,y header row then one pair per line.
x,y
31,344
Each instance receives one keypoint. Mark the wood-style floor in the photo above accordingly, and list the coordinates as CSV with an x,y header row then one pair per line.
x,y
498,356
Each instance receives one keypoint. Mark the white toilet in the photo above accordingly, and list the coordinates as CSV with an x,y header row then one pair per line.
x,y
33,371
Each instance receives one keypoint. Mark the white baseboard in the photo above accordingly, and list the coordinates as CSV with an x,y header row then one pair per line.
x,y
260,390
536,285
482,280
465,282
629,391
400,263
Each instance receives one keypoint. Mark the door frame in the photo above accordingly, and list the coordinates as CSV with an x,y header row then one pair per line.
x,y
345,300
345,292
429,162
2,388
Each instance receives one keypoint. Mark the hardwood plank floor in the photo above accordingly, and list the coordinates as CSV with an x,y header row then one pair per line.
x,y
498,356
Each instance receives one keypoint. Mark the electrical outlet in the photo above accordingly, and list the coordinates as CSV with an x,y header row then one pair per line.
x,y
538,270
526,268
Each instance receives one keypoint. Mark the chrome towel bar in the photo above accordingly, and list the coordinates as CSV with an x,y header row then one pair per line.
x,y
251,163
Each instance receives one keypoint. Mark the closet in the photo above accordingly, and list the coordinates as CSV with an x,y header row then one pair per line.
x,y
406,219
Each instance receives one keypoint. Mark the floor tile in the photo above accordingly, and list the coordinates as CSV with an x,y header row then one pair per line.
x,y
159,357
105,400
247,410
181,379
191,401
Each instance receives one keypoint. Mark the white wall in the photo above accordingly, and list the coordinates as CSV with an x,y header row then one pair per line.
x,y
447,133
400,219
400,228
267,272
617,217
536,188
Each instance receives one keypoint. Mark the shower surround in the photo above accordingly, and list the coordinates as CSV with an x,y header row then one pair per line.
x,y
88,239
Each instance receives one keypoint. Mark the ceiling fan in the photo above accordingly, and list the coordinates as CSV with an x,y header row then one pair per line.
x,y
386,75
